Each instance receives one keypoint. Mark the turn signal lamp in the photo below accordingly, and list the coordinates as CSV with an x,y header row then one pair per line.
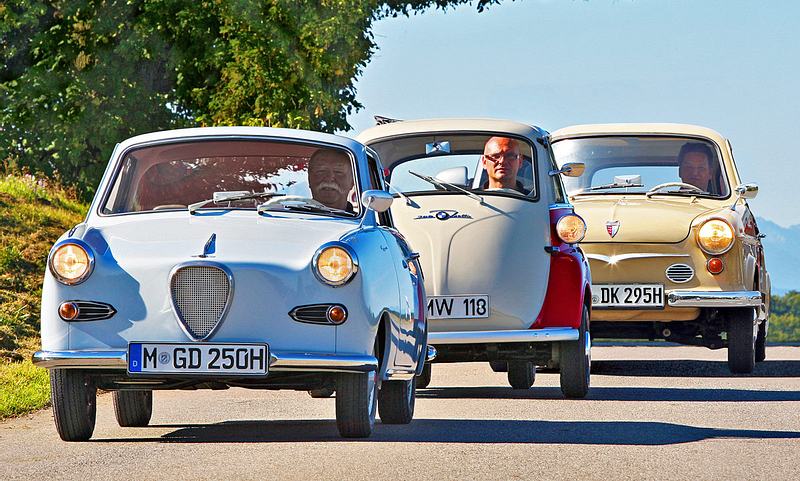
x,y
715,265
68,311
334,265
337,314
715,236
571,228
71,263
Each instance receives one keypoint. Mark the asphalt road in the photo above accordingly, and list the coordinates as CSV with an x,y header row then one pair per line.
x,y
652,413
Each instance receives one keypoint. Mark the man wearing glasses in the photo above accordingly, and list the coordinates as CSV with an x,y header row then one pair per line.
x,y
501,160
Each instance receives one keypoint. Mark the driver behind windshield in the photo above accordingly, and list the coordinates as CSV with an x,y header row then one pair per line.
x,y
330,178
501,160
696,166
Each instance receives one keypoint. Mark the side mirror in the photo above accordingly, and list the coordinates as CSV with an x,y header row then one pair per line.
x,y
455,175
377,200
747,191
570,169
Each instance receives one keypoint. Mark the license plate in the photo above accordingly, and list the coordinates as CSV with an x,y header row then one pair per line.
x,y
458,307
627,296
219,359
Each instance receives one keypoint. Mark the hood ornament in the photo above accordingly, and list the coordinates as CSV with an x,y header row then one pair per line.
x,y
612,227
210,248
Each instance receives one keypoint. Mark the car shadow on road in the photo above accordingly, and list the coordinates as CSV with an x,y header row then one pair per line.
x,y
616,393
462,431
691,368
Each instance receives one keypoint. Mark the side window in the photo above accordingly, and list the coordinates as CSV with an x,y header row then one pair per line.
x,y
375,181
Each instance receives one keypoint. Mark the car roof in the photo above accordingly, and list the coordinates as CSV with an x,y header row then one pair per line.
x,y
588,130
422,126
272,132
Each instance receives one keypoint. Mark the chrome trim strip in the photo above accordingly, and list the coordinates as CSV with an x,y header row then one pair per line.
x,y
304,361
624,257
278,361
81,359
177,312
714,298
547,334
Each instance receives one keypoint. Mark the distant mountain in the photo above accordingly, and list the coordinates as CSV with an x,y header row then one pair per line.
x,y
782,249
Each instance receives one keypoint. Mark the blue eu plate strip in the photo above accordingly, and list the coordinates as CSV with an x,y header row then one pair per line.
x,y
135,357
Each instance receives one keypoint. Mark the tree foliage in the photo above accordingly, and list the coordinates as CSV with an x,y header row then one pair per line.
x,y
784,321
80,75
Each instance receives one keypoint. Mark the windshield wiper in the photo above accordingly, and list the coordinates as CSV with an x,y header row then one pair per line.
x,y
306,205
232,196
613,185
446,185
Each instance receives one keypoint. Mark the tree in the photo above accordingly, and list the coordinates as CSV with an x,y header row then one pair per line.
x,y
80,75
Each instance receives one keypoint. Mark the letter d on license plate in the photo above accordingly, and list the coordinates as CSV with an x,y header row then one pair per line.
x,y
214,359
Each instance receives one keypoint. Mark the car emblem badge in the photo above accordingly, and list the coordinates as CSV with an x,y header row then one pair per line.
x,y
612,227
210,248
443,214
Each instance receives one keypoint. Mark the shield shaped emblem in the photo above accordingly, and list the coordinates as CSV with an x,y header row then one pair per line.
x,y
612,227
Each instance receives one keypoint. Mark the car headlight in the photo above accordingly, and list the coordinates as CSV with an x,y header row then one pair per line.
x,y
335,264
71,262
571,228
715,236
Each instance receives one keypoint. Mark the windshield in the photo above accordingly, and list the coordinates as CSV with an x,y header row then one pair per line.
x,y
639,164
176,175
479,163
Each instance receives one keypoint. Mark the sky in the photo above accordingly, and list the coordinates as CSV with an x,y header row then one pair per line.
x,y
733,66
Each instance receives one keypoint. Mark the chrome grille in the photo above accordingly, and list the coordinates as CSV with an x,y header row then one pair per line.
x,y
680,273
200,295
94,311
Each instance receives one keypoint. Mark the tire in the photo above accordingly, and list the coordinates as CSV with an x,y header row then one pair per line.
x,y
133,409
321,393
424,379
761,343
742,333
74,399
521,374
576,362
499,366
356,403
396,401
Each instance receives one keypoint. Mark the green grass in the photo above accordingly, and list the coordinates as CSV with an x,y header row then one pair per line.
x,y
23,388
33,214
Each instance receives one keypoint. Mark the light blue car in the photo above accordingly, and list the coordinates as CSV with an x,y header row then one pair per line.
x,y
235,257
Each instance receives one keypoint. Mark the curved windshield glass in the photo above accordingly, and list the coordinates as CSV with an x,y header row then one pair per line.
x,y
240,174
642,164
479,163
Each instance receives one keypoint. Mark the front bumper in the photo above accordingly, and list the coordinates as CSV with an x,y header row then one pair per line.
x,y
547,334
678,298
278,361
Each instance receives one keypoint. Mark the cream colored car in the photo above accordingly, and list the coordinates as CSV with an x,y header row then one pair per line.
x,y
506,283
674,249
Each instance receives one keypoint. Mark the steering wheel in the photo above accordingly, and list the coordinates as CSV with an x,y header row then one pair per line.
x,y
663,186
293,199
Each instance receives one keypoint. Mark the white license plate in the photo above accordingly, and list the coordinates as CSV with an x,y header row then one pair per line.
x,y
626,296
458,307
219,359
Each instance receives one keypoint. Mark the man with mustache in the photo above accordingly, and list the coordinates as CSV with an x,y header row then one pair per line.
x,y
330,177
501,160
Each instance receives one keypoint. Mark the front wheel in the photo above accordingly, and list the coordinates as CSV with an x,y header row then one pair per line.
x,y
742,333
576,361
396,401
521,374
356,400
133,408
424,379
761,343
74,398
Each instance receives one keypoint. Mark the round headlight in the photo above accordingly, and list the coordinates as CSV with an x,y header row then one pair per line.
x,y
335,265
715,236
571,228
71,262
